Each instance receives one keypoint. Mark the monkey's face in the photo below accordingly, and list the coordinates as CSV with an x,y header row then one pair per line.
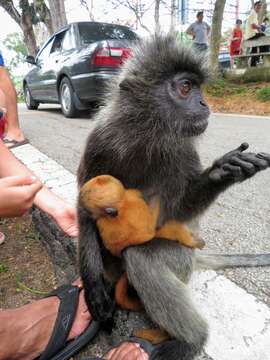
x,y
102,195
192,112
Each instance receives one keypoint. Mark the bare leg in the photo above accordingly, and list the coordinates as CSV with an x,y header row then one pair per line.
x,y
25,331
2,99
13,127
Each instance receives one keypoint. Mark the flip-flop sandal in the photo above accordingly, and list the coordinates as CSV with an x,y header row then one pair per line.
x,y
58,347
144,344
11,143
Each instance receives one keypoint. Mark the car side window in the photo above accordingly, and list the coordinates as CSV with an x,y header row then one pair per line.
x,y
68,42
57,44
44,53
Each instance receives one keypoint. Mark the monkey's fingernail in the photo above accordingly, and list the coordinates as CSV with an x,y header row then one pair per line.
x,y
243,146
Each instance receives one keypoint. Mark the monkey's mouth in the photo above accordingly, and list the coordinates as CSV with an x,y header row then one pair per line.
x,y
195,127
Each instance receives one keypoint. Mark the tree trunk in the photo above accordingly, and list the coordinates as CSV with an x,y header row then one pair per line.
x,y
27,28
216,35
173,11
44,14
157,24
59,19
24,20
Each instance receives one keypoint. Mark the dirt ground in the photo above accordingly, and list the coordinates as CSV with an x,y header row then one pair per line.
x,y
26,272
238,99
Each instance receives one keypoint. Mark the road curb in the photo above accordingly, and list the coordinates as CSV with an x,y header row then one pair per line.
x,y
239,323
241,115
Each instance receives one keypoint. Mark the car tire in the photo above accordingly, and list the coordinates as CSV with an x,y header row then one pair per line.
x,y
67,100
31,104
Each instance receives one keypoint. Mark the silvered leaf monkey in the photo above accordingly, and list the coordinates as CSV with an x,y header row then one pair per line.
x,y
145,136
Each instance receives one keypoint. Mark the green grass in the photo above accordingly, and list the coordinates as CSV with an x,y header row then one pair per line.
x,y
3,268
263,94
221,87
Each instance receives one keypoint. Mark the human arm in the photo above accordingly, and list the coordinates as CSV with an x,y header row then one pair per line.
x,y
63,213
208,29
190,30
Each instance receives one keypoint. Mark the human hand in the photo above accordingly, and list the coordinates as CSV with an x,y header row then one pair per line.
x,y
238,166
17,194
66,218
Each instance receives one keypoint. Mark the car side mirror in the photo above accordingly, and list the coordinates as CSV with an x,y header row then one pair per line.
x,y
30,60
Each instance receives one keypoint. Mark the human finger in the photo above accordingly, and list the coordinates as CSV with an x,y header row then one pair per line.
x,y
19,180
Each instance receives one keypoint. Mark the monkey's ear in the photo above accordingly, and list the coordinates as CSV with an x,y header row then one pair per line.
x,y
125,85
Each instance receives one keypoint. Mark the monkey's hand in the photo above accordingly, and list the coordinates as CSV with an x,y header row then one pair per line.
x,y
237,166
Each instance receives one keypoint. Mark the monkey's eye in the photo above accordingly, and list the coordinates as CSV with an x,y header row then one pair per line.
x,y
185,88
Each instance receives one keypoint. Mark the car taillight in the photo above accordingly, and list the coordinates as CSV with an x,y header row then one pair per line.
x,y
110,57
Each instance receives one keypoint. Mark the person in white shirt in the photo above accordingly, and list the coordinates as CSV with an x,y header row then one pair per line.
x,y
253,31
199,30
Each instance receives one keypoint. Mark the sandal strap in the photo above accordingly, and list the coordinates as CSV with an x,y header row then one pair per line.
x,y
147,346
69,299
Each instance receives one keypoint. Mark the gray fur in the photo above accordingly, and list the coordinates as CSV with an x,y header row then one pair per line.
x,y
164,291
146,136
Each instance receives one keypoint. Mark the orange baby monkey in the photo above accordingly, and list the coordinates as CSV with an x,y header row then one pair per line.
x,y
125,219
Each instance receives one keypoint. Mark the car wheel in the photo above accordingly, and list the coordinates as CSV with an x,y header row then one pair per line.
x,y
31,104
67,99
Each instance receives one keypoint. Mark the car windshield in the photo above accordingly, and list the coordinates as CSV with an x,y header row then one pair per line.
x,y
92,32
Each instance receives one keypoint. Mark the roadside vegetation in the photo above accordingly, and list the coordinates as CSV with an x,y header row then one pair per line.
x,y
228,96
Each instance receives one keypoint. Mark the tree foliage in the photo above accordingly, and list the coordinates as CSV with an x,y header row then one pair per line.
x,y
137,7
15,43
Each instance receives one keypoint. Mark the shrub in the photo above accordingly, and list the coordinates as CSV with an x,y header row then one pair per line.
x,y
263,94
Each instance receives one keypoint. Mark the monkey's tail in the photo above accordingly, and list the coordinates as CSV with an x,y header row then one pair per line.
x,y
219,261
167,302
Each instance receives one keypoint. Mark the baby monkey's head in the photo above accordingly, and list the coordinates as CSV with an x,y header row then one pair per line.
x,y
102,195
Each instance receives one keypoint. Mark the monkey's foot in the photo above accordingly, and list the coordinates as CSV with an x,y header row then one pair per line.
x,y
199,243
155,336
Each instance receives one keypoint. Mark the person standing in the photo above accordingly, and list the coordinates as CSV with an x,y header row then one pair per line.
x,y
13,133
253,31
199,30
235,45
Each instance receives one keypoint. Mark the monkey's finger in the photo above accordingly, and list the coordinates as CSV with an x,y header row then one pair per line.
x,y
252,158
264,156
246,166
230,154
219,174
235,171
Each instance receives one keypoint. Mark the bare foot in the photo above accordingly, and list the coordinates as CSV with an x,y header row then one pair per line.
x,y
127,351
15,135
25,332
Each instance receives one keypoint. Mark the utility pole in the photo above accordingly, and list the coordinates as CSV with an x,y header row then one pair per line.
x,y
237,10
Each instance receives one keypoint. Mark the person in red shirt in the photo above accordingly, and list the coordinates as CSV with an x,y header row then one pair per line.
x,y
235,45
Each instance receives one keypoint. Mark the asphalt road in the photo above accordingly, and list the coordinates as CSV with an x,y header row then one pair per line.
x,y
239,221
